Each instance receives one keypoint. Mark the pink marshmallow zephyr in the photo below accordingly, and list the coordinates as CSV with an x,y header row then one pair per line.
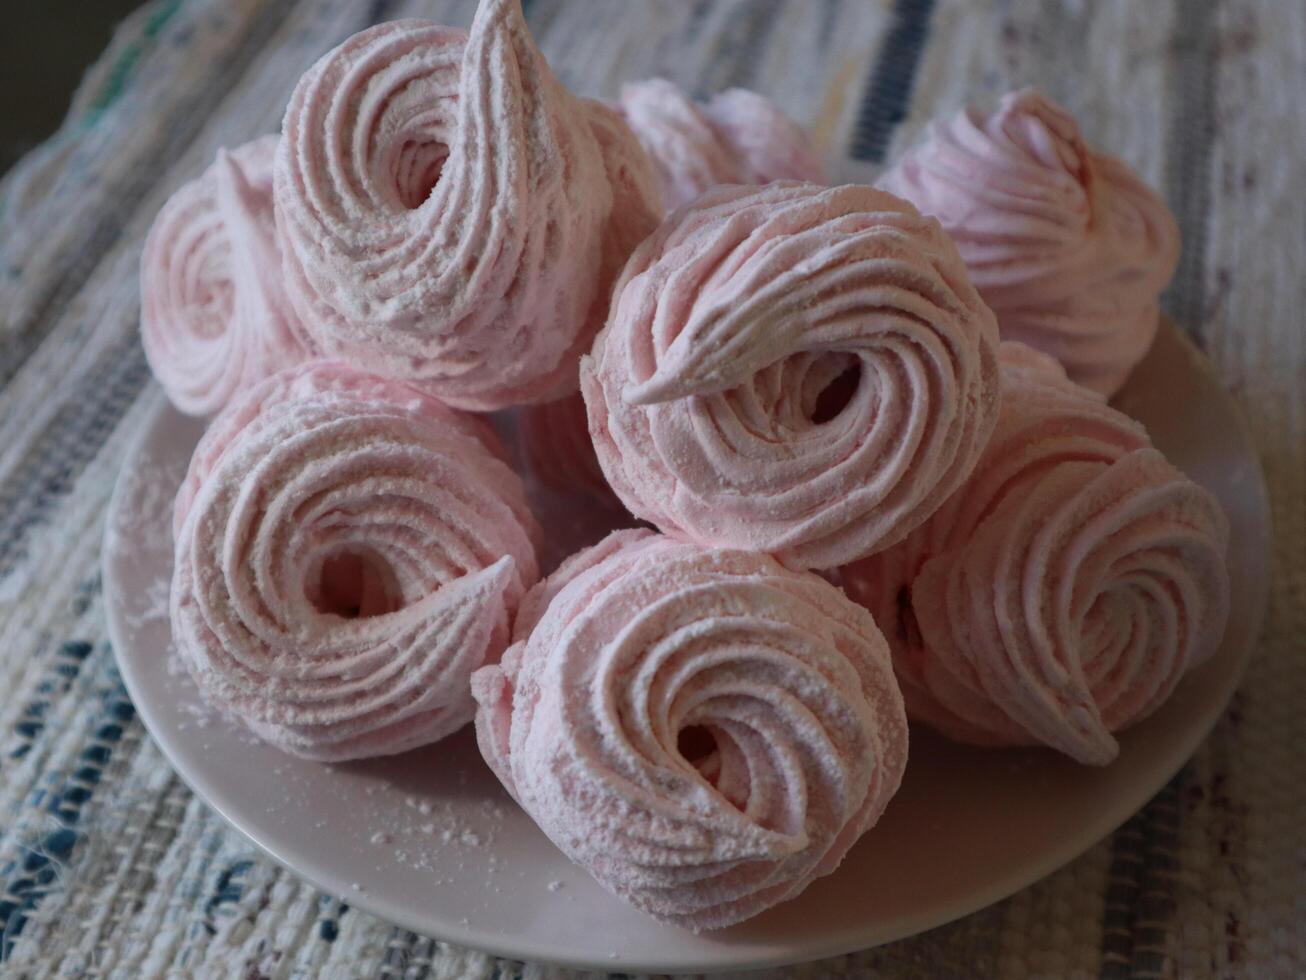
x,y
1064,590
215,318
1069,247
450,215
793,369
348,551
706,732
738,137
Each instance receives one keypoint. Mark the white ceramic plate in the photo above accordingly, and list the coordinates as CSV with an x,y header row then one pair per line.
x,y
429,841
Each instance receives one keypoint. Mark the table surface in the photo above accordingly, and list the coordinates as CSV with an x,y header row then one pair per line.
x,y
109,867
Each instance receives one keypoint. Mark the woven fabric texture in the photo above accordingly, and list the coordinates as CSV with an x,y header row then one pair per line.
x,y
109,867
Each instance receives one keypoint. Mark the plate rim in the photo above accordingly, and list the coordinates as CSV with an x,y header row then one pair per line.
x,y
494,944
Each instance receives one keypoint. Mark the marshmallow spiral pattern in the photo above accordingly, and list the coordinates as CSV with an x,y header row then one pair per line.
x,y
215,317
450,214
348,552
1064,590
705,732
738,137
1069,247
794,369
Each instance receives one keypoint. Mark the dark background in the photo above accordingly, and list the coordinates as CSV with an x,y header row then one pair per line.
x,y
45,47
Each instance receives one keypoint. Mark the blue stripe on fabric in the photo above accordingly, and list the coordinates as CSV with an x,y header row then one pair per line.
x,y
333,910
227,891
1188,145
1139,901
59,676
69,442
889,89
378,11
27,880
741,48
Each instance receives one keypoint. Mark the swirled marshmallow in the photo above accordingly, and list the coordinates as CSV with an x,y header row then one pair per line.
x,y
215,318
737,137
450,215
1061,594
1069,247
794,369
348,551
706,732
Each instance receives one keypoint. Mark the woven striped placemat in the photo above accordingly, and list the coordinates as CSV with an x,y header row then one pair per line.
x,y
109,867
